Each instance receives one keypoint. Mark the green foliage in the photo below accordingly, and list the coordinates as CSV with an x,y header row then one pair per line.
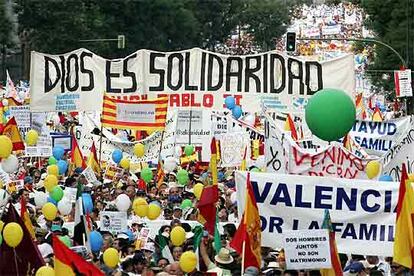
x,y
59,26
5,25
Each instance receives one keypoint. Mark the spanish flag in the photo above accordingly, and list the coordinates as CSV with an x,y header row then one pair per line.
x,y
93,160
290,126
209,197
26,219
76,157
160,173
67,262
404,233
248,238
10,130
377,116
148,115
336,269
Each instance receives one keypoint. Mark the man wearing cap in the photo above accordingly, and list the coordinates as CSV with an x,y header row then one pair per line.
x,y
177,212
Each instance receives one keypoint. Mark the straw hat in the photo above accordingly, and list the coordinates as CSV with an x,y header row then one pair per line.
x,y
224,257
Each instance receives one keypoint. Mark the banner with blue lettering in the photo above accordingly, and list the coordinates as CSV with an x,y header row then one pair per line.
x,y
362,212
379,137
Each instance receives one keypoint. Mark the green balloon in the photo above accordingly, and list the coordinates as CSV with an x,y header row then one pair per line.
x,y
182,177
52,160
66,240
146,175
189,150
330,114
186,204
255,169
57,193
1,239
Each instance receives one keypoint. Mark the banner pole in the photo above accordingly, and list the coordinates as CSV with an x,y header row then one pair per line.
x,y
243,257
189,126
100,146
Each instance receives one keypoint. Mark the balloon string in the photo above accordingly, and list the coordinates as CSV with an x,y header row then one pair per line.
x,y
15,261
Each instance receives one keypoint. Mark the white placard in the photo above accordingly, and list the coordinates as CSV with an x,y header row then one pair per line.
x,y
90,176
307,249
136,113
113,221
21,114
38,151
402,80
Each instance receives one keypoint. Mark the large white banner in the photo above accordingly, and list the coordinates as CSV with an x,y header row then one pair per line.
x,y
362,211
193,78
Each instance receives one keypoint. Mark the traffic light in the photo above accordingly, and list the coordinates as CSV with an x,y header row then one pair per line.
x,y
121,41
290,42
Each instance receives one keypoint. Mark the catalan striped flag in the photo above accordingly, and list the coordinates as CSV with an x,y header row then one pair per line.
x,y
336,269
148,115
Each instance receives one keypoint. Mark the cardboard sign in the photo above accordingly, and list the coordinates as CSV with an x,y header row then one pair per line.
x,y
111,171
142,239
21,114
402,80
90,176
307,249
71,193
113,221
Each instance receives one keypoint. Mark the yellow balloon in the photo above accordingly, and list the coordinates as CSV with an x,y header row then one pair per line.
x,y
139,150
50,182
12,234
154,211
372,169
45,271
49,211
31,137
1,225
140,207
188,261
6,146
198,189
53,169
411,176
111,257
177,235
124,163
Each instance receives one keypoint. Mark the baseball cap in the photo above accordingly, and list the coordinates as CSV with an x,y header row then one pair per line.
x,y
28,179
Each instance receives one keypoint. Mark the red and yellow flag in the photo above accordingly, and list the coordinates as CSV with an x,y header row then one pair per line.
x,y
148,115
76,157
93,160
336,269
11,130
377,115
67,261
404,233
160,173
26,218
209,197
249,231
290,126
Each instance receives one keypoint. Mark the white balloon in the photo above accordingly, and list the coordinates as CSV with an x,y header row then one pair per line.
x,y
261,162
233,197
4,197
5,102
56,120
40,199
178,151
122,202
170,164
11,164
65,206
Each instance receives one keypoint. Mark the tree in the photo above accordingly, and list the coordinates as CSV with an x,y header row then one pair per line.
x,y
391,20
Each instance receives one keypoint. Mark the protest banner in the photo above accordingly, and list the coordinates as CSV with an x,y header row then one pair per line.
x,y
362,211
307,249
331,30
402,81
192,78
401,152
379,137
232,148
113,222
21,114
38,151
275,155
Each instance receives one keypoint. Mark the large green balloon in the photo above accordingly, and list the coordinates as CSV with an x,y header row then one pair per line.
x,y
146,175
182,177
56,193
330,114
65,240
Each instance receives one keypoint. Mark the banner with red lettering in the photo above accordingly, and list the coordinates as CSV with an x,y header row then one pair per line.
x,y
192,78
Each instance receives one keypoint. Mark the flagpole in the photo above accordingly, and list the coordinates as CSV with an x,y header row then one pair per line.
x,y
243,257
100,146
245,222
